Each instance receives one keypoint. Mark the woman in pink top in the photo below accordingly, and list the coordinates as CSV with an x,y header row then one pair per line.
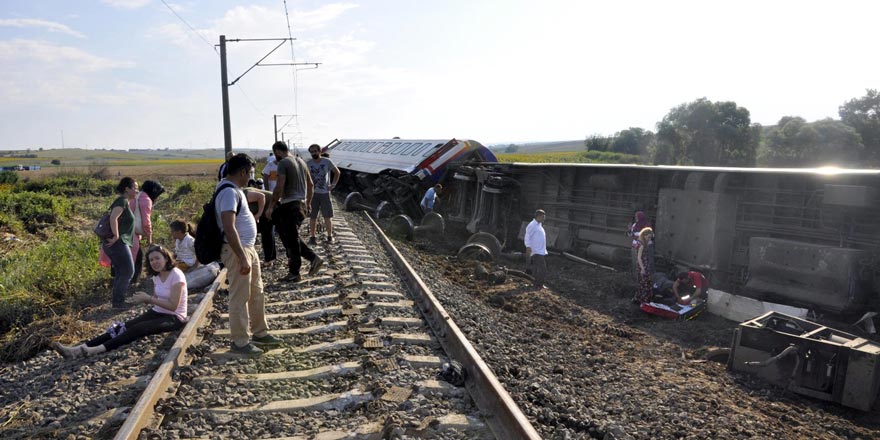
x,y
167,314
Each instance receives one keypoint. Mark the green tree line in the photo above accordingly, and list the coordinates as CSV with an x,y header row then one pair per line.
x,y
707,133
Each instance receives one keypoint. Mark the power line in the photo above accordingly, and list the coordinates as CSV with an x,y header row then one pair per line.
x,y
293,71
190,27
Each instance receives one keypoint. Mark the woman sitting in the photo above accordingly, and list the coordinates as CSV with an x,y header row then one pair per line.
x,y
168,312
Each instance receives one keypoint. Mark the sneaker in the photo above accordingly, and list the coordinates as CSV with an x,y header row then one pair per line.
x,y
267,341
291,278
121,306
329,239
247,349
313,240
316,265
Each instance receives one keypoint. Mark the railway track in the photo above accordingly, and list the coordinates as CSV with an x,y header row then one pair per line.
x,y
364,342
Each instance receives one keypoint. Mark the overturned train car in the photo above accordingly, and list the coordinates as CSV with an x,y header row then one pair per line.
x,y
400,170
803,237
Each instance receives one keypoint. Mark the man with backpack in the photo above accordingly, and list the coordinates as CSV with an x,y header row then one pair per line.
x,y
239,256
289,207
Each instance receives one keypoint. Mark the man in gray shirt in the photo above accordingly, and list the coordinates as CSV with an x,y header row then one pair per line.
x,y
322,170
288,208
239,256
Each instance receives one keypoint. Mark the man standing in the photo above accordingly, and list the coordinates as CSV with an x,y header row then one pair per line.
x,y
239,256
321,169
430,198
270,173
288,208
536,248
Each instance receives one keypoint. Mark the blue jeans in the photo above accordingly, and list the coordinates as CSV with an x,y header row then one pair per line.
x,y
123,266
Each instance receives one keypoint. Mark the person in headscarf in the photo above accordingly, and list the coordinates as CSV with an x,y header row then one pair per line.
x,y
150,191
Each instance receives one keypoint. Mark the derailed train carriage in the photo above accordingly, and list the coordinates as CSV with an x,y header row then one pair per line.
x,y
802,237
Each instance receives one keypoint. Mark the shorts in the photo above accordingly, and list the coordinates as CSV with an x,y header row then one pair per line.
x,y
321,201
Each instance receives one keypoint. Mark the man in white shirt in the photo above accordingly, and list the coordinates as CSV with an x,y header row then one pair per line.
x,y
239,256
536,248
270,173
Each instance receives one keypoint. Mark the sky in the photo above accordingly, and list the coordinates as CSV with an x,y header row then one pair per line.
x,y
146,73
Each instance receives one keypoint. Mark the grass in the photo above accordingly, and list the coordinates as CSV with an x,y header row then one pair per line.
x,y
572,157
51,268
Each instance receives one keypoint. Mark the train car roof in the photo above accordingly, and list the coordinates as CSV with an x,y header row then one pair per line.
x,y
825,171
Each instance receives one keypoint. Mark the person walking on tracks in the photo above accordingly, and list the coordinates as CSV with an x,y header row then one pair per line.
x,y
289,207
168,313
246,300
321,170
536,248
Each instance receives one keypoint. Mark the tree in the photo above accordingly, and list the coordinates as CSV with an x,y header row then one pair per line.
x,y
512,148
795,143
633,140
56,161
709,133
863,114
597,143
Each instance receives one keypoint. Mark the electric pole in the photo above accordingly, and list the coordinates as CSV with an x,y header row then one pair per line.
x,y
227,126
224,82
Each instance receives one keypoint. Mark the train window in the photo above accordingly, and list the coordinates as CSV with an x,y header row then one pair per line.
x,y
399,147
421,148
375,147
431,150
386,147
365,146
409,149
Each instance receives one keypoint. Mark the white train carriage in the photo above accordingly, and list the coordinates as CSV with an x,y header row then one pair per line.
x,y
398,170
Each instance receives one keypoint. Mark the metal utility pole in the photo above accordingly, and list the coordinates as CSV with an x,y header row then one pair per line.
x,y
275,120
224,82
227,126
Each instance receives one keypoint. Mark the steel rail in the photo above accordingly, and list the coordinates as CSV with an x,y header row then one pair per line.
x,y
142,412
504,417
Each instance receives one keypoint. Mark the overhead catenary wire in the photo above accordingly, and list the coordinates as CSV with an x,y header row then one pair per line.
x,y
216,52
190,27
293,73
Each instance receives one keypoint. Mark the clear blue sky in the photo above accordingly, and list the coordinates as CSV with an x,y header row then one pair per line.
x,y
130,74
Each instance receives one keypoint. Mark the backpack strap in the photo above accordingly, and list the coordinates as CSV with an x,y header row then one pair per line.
x,y
221,188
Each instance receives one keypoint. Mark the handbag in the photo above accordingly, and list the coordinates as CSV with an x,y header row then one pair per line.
x,y
102,229
138,222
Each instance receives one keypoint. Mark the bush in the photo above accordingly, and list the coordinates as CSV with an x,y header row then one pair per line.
x,y
48,279
8,177
56,162
35,209
71,185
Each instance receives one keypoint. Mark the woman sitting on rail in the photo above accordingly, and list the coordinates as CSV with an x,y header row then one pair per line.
x,y
168,312
645,266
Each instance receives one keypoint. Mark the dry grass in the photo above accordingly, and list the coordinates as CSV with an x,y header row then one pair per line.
x,y
24,344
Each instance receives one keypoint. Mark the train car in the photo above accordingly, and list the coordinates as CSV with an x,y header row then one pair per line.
x,y
400,170
803,237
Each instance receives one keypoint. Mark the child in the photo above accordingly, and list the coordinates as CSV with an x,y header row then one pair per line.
x,y
184,244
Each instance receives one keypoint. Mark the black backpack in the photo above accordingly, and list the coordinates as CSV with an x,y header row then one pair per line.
x,y
209,237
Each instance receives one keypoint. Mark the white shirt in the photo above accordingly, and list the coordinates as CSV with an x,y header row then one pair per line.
x,y
232,199
270,174
185,249
536,239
